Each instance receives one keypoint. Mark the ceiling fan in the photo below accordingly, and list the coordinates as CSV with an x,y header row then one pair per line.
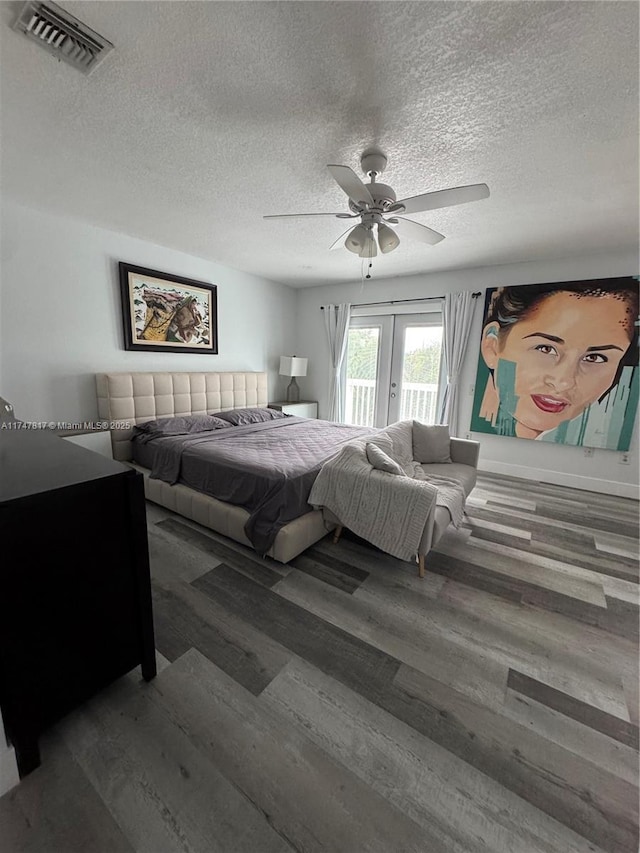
x,y
375,206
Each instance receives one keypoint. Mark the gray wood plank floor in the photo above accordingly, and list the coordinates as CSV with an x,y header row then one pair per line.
x,y
340,703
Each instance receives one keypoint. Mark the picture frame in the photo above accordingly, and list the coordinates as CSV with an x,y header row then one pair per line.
x,y
163,312
558,363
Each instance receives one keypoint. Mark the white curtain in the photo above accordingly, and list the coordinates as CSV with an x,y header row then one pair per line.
x,y
456,325
336,322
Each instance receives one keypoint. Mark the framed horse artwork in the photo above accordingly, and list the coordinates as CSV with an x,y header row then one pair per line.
x,y
167,313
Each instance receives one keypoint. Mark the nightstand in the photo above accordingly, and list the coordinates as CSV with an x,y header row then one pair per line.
x,y
303,409
98,440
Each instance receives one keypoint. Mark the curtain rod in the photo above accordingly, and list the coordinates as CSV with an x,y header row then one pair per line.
x,y
399,301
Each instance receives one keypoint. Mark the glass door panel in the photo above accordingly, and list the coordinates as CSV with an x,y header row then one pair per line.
x,y
415,370
367,370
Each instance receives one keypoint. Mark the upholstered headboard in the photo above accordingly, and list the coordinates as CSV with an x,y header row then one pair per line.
x,y
139,397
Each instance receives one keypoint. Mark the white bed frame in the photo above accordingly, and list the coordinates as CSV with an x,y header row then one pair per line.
x,y
133,398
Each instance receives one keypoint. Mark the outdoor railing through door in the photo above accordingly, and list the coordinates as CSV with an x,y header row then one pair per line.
x,y
418,402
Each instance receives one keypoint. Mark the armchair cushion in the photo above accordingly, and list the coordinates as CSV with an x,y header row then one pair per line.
x,y
431,444
465,475
380,460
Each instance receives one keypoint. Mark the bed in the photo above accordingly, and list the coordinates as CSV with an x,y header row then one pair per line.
x,y
135,399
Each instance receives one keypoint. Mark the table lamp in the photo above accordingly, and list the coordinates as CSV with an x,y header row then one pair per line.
x,y
291,365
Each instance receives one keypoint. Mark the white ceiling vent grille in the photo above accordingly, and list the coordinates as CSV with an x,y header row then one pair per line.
x,y
63,35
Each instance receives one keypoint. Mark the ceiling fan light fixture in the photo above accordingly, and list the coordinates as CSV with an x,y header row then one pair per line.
x,y
388,240
369,250
357,239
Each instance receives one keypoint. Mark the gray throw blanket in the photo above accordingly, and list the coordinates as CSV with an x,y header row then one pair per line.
x,y
388,510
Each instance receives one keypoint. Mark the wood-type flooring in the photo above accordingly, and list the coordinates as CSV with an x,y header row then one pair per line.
x,y
341,704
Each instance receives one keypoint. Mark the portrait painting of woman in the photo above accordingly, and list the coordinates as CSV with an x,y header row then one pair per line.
x,y
559,362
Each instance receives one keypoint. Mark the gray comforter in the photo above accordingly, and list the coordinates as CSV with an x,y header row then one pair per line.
x,y
267,468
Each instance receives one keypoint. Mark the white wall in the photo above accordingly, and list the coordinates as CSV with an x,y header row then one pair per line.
x,y
62,319
534,460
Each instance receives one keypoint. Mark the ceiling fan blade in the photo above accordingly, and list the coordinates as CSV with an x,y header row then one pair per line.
x,y
416,231
292,215
347,179
339,243
441,198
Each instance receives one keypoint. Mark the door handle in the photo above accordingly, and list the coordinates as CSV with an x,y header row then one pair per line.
x,y
392,394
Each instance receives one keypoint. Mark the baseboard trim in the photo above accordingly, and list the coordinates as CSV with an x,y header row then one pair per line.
x,y
559,478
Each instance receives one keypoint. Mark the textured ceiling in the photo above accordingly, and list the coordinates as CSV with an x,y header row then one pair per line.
x,y
208,115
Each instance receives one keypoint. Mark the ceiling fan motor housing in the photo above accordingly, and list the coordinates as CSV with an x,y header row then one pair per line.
x,y
383,197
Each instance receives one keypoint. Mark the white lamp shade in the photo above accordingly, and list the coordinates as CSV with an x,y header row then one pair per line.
x,y
357,239
291,365
387,238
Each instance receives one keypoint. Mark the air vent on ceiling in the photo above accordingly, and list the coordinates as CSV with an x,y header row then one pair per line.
x,y
63,35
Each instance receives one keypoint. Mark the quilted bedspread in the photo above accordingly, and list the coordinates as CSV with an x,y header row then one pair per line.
x,y
267,468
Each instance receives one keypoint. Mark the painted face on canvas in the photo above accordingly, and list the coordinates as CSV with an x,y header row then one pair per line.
x,y
558,359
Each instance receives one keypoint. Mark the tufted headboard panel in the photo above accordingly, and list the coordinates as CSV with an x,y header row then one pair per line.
x,y
139,397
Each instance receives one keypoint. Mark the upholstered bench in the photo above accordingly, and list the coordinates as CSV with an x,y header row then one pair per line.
x,y
385,488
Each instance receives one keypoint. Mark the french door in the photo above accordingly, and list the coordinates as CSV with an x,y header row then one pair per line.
x,y
393,368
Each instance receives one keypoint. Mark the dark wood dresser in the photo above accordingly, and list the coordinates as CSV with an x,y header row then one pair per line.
x,y
75,594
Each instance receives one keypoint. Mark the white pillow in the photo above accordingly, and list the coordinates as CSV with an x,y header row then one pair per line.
x,y
431,444
379,459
